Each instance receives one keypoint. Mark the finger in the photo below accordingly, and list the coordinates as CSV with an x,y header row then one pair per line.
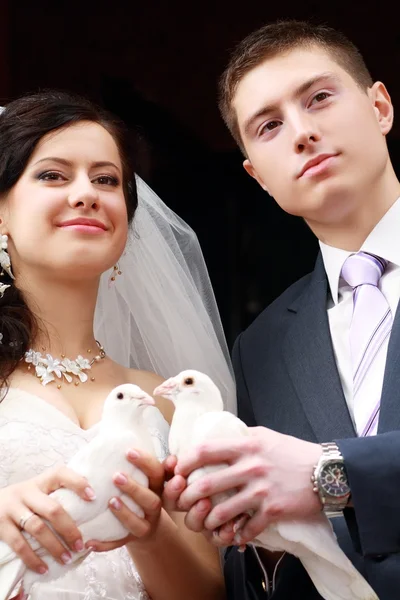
x,y
212,452
134,524
195,518
169,465
46,507
218,541
16,541
67,478
224,534
38,529
253,527
172,491
145,498
98,546
226,480
150,466
240,521
236,505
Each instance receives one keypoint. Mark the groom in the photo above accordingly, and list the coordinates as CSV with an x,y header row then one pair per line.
x,y
319,369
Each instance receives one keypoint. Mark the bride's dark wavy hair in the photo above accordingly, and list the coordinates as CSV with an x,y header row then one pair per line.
x,y
23,124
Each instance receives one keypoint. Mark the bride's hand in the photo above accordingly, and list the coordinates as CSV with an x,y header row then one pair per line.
x,y
149,499
27,504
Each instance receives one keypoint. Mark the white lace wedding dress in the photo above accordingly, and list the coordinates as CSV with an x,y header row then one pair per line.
x,y
34,436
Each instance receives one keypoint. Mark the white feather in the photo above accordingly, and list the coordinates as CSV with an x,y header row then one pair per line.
x,y
122,427
198,417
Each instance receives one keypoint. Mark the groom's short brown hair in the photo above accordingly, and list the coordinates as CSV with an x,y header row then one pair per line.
x,y
278,38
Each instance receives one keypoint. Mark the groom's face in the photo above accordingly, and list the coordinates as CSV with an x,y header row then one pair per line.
x,y
314,139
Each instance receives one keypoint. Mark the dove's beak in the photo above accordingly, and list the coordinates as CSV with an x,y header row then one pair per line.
x,y
167,388
147,399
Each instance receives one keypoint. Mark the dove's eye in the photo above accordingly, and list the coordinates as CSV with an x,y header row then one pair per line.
x,y
120,395
189,381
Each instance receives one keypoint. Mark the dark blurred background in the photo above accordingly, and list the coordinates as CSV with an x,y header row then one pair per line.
x,y
156,65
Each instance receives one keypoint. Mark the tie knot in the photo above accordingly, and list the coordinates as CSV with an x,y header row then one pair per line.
x,y
363,268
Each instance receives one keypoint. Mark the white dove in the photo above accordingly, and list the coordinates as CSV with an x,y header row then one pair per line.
x,y
122,427
199,416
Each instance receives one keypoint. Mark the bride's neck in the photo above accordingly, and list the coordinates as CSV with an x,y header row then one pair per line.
x,y
65,313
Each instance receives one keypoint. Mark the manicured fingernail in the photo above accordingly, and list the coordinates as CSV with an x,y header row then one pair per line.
x,y
120,478
42,570
79,546
90,493
116,503
133,454
66,558
90,547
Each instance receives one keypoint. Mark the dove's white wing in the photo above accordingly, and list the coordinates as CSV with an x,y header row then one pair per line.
x,y
98,461
313,541
12,570
334,582
215,425
111,529
99,523
11,574
152,439
6,554
333,573
158,428
314,535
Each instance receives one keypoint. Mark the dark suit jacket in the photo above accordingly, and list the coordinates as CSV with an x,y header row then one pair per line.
x,y
288,381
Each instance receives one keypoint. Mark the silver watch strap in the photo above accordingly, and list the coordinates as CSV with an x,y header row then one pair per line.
x,y
330,505
331,450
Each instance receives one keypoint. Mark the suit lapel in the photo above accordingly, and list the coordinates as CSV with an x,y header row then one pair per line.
x,y
389,419
309,358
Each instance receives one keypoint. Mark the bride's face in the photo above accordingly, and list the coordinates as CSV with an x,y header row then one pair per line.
x,y
67,212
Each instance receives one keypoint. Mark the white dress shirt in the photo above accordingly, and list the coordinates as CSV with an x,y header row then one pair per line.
x,y
383,241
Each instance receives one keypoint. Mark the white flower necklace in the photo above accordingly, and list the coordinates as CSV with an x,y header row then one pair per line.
x,y
48,368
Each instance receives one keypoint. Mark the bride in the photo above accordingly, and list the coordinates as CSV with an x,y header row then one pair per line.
x,y
97,277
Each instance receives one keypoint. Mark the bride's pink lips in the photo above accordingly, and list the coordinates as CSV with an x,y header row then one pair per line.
x,y
82,225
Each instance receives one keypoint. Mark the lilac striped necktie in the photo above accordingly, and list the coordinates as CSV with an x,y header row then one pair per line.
x,y
369,337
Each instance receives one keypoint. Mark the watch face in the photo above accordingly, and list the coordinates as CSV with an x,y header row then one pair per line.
x,y
333,479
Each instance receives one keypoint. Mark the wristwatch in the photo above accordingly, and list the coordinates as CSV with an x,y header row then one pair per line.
x,y
330,479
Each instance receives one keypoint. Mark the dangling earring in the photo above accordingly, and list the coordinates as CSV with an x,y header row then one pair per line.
x,y
5,261
3,287
116,271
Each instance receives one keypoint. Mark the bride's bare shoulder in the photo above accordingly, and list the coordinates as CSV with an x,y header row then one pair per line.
x,y
148,381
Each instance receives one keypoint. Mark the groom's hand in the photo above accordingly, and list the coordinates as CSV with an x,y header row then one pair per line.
x,y
195,517
272,472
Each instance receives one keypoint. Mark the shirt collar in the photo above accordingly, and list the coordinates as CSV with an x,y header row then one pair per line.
x,y
384,241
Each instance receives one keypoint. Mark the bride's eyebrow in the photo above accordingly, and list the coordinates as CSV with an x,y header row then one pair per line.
x,y
68,163
62,161
105,163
